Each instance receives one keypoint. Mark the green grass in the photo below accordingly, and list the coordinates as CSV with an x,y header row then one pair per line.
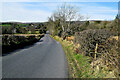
x,y
78,64
37,32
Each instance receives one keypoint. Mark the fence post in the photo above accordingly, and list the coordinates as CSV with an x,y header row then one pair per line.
x,y
96,50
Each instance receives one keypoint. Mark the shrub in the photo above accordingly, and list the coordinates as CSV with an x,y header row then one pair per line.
x,y
111,55
89,38
12,42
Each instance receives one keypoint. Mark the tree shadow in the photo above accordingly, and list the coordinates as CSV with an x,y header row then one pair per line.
x,y
15,48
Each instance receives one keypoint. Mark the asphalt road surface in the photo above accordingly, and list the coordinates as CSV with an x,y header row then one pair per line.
x,y
45,59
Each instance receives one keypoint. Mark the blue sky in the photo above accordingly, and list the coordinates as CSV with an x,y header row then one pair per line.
x,y
40,11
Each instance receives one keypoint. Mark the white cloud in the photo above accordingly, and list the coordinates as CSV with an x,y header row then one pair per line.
x,y
0,11
97,12
16,12
100,9
101,17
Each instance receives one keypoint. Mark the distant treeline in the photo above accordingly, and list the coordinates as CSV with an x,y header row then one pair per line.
x,y
23,28
55,27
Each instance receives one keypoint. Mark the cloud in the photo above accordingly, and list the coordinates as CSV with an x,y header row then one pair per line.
x,y
40,11
16,12
101,17
98,12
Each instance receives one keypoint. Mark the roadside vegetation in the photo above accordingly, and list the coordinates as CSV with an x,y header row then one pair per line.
x,y
91,47
18,35
13,42
76,62
81,66
23,28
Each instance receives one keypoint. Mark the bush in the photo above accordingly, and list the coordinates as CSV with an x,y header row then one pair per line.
x,y
89,38
111,54
108,52
12,42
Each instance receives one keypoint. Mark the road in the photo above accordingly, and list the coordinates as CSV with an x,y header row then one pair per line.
x,y
45,59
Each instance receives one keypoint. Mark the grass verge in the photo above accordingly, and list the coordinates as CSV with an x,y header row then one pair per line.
x,y
78,64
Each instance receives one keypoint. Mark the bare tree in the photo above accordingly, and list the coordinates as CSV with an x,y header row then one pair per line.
x,y
65,14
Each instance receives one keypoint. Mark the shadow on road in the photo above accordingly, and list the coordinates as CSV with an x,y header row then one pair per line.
x,y
19,48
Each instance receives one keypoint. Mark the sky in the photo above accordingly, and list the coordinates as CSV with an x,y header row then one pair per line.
x,y
39,11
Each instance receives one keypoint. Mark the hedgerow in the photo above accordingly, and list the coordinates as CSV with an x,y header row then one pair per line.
x,y
12,42
102,46
89,38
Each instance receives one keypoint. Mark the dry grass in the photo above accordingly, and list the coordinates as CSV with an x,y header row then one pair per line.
x,y
71,38
114,37
81,66
78,64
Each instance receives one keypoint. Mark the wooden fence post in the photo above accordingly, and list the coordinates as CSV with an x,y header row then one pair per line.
x,y
96,51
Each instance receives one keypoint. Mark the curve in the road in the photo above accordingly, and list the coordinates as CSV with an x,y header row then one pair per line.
x,y
45,59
